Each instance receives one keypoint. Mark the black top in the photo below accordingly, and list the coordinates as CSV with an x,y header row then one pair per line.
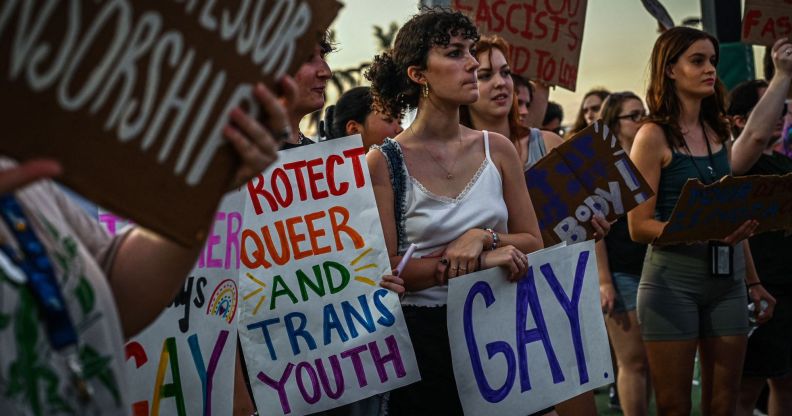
x,y
624,255
772,251
303,141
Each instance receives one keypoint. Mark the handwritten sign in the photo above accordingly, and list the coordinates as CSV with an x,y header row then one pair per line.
x,y
316,328
714,211
521,347
132,96
183,363
545,36
765,21
586,175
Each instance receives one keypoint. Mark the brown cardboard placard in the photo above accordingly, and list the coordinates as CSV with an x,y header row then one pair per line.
x,y
545,36
131,96
712,212
765,21
590,173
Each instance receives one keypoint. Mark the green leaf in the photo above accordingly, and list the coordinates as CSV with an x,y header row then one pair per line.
x,y
85,295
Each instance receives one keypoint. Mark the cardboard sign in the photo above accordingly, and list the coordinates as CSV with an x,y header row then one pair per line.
x,y
316,328
714,211
765,21
588,174
545,36
521,347
183,363
131,96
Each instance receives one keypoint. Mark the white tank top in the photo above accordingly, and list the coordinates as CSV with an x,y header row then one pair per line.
x,y
433,221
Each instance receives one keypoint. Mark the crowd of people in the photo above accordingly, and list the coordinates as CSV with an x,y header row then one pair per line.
x,y
453,182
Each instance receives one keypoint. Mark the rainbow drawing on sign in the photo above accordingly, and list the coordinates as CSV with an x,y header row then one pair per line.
x,y
223,302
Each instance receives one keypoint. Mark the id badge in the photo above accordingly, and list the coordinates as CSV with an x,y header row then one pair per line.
x,y
721,260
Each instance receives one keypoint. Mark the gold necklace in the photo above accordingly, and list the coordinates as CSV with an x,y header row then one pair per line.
x,y
449,172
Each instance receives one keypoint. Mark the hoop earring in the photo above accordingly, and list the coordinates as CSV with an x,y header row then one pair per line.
x,y
425,90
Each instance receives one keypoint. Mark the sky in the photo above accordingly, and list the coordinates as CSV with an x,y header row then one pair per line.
x,y
617,41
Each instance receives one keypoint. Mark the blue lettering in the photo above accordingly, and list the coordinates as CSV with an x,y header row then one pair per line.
x,y
387,319
263,325
300,331
331,322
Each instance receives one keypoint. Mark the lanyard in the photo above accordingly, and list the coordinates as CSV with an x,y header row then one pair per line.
x,y
711,168
32,260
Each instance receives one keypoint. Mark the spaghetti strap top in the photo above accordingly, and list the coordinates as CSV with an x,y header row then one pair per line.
x,y
433,221
682,168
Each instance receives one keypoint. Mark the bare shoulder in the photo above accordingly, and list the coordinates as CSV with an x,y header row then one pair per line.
x,y
378,166
499,144
551,140
651,141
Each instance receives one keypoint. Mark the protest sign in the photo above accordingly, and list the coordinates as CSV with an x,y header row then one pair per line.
x,y
183,363
586,175
545,36
521,347
317,330
765,21
131,97
712,212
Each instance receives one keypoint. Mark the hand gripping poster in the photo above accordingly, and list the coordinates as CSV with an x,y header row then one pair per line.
x,y
317,330
522,347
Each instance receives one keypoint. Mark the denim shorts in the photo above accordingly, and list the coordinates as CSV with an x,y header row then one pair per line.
x,y
626,285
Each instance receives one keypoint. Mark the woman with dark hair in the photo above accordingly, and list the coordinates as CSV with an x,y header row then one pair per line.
x,y
354,114
682,305
619,262
757,111
453,191
589,108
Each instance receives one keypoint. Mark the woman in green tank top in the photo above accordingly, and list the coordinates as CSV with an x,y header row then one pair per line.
x,y
682,308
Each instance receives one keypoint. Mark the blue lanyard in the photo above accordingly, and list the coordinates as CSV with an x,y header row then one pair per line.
x,y
33,261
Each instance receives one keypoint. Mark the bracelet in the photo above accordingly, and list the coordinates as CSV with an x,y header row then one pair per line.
x,y
750,285
495,238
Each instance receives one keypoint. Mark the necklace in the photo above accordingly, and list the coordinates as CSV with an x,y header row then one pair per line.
x,y
449,172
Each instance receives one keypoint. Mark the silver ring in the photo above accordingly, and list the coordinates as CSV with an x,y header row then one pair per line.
x,y
284,134
444,261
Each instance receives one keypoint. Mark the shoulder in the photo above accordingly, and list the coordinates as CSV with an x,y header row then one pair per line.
x,y
651,134
551,140
499,144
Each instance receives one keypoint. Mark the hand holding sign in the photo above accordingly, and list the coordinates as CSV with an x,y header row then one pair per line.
x,y
258,145
27,173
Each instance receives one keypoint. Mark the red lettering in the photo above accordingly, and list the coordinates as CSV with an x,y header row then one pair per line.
x,y
459,6
783,26
769,27
751,19
257,189
315,176
558,20
543,33
510,20
284,201
297,167
355,155
483,15
335,189
529,12
574,36
496,6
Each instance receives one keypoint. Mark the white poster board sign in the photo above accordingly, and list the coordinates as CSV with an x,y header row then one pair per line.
x,y
183,363
316,328
522,347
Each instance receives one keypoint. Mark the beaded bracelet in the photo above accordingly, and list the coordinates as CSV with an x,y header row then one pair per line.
x,y
495,238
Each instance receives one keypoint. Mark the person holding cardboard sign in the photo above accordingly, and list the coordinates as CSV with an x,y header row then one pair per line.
x,y
70,293
754,110
691,297
454,191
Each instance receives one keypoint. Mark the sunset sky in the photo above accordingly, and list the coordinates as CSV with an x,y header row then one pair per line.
x,y
617,41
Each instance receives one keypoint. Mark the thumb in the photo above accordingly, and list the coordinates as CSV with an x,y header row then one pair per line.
x,y
27,173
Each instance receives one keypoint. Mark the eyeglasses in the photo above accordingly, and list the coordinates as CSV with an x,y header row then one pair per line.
x,y
635,116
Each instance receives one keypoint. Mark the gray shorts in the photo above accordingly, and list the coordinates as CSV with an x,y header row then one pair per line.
x,y
679,300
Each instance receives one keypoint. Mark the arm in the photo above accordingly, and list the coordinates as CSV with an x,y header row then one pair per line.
x,y
538,107
758,130
649,154
607,290
145,260
419,273
756,291
551,140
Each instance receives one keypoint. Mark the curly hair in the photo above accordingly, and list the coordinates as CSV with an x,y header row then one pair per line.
x,y
661,98
392,90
